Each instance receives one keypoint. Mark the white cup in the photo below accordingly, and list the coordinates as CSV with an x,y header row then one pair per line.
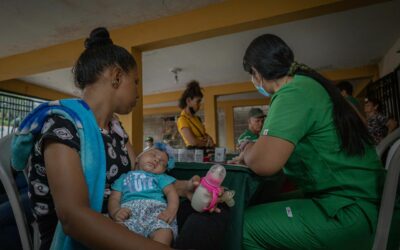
x,y
219,154
198,155
176,154
189,155
181,155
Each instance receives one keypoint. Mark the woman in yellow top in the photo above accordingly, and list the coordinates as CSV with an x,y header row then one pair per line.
x,y
189,125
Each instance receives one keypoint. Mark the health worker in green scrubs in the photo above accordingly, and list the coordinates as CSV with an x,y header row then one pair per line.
x,y
313,134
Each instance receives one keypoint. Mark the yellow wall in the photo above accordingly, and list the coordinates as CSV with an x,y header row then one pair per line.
x,y
28,89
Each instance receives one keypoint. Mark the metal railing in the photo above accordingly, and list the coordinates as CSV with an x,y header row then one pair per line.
x,y
387,91
13,109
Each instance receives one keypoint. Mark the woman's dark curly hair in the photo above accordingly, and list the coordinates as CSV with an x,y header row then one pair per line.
x,y
192,90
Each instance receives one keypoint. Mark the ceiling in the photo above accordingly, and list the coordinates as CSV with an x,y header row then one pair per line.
x,y
29,25
341,40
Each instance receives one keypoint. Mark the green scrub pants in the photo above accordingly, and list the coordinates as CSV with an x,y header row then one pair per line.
x,y
302,224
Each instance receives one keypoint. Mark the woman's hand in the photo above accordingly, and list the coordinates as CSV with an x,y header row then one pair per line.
x,y
209,141
202,142
242,148
186,188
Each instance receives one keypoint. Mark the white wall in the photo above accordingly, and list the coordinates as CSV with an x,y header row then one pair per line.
x,y
391,60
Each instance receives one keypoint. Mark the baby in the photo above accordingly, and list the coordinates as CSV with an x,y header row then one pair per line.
x,y
138,197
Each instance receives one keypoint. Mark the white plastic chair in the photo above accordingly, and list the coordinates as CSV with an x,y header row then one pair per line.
x,y
7,179
388,197
386,142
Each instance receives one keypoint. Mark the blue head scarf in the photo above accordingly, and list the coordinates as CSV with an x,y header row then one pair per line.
x,y
169,151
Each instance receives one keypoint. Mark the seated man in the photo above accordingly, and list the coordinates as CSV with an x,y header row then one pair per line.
x,y
346,90
255,123
251,134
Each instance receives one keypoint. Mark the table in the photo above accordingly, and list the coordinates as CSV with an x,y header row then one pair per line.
x,y
242,180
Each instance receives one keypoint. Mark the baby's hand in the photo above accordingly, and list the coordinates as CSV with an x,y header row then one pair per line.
x,y
168,215
122,214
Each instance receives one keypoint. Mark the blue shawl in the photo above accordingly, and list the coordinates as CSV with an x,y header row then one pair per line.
x,y
92,152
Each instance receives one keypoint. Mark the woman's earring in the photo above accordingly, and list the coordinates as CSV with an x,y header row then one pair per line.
x,y
115,83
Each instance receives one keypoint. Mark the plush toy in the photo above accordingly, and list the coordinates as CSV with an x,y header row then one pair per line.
x,y
227,197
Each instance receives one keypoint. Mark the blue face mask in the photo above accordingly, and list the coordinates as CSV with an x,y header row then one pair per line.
x,y
260,89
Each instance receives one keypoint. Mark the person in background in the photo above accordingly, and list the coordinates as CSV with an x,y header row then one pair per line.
x,y
322,145
255,122
189,124
148,142
379,125
170,134
346,90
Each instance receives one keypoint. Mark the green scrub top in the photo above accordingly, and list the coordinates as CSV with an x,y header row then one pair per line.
x,y
355,102
247,135
301,113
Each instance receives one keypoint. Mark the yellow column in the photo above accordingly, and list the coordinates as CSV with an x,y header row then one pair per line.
x,y
137,113
210,114
133,122
229,127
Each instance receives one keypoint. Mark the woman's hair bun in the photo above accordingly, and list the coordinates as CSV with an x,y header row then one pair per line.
x,y
193,85
98,37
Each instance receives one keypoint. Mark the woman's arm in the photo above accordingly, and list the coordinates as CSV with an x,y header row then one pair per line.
x,y
70,194
391,125
186,188
193,141
268,155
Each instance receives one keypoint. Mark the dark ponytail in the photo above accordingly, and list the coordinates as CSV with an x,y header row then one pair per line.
x,y
273,59
351,129
100,53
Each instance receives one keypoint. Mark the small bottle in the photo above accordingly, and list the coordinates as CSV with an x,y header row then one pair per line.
x,y
205,196
219,154
198,155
